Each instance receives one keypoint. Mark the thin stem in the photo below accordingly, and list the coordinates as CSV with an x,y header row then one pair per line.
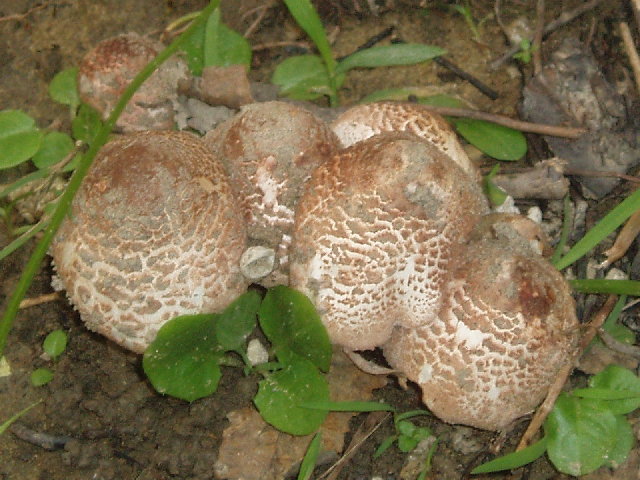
x,y
34,263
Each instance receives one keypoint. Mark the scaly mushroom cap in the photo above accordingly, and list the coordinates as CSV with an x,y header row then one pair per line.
x,y
505,327
107,70
154,232
269,150
363,121
373,235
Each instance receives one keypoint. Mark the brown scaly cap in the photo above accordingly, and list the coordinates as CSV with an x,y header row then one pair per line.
x,y
373,235
154,232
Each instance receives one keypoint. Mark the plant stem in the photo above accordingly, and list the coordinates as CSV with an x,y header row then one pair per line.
x,y
64,204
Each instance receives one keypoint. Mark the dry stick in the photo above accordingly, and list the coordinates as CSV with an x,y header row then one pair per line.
x,y
632,53
22,16
615,345
541,128
481,86
562,20
537,38
635,6
624,240
32,302
598,173
263,9
266,46
564,372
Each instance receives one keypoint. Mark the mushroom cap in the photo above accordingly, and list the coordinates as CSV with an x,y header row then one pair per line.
x,y
505,327
363,121
107,70
154,232
373,234
269,150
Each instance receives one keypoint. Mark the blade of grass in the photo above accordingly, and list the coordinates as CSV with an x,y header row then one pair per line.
x,y
515,459
616,287
566,230
355,406
310,458
33,265
608,224
22,239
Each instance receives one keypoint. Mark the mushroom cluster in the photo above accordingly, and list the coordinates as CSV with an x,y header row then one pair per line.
x,y
378,218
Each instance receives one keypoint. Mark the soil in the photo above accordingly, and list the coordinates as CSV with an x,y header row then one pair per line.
x,y
108,421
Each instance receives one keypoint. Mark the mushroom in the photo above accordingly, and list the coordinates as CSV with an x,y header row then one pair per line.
x,y
506,325
107,70
154,232
363,121
269,150
373,236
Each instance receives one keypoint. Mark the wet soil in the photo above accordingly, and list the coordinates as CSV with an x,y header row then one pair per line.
x,y
108,421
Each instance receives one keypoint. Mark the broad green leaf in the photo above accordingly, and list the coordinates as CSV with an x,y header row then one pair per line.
x,y
86,124
603,285
310,458
291,322
390,55
303,77
64,88
55,343
581,433
237,321
601,230
183,359
625,439
614,377
20,139
349,406
307,17
54,148
223,46
514,460
497,141
41,376
280,394
193,47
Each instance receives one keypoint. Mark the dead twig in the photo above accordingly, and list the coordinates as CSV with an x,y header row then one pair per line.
x,y
623,241
268,45
537,38
543,129
635,6
631,51
22,16
564,372
482,87
262,9
562,20
598,173
615,345
39,300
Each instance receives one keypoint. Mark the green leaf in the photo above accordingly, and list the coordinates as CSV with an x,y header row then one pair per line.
x,y
54,148
384,446
183,359
308,19
310,458
625,439
55,343
86,125
20,139
281,393
193,47
303,77
617,378
390,55
238,320
496,195
7,423
347,406
601,230
514,460
441,100
581,433
41,376
497,141
223,46
64,88
407,443
291,322
411,414
603,285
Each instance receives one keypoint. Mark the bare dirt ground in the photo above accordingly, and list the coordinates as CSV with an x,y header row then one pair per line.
x,y
111,423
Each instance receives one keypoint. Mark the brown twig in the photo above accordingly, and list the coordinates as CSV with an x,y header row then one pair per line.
x,y
263,9
543,129
615,345
635,6
32,302
268,45
482,87
597,173
537,38
22,16
564,372
562,20
631,51
625,238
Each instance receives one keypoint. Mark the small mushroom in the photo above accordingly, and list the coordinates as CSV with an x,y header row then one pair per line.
x,y
363,121
154,232
506,326
374,232
107,70
269,150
